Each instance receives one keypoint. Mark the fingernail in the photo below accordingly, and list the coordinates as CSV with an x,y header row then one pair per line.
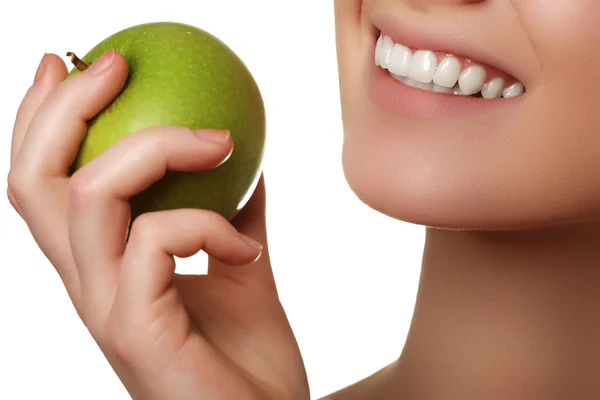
x,y
251,242
41,70
103,63
213,135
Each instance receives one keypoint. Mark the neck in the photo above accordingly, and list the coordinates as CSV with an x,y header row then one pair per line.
x,y
505,316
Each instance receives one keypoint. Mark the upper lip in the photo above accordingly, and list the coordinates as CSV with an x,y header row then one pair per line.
x,y
441,39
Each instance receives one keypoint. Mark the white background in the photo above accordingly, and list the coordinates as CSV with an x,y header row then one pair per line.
x,y
347,275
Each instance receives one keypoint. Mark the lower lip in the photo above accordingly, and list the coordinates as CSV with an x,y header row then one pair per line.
x,y
396,97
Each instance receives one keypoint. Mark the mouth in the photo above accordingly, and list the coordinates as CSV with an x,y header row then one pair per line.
x,y
443,73
430,74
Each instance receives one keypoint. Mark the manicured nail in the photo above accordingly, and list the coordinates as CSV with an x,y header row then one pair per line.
x,y
213,135
103,63
251,242
41,70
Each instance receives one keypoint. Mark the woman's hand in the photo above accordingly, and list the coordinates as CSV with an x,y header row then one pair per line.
x,y
223,335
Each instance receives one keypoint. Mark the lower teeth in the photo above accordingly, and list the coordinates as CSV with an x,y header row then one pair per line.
x,y
431,87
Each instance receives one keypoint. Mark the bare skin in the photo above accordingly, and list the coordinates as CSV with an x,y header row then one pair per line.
x,y
219,336
508,299
500,316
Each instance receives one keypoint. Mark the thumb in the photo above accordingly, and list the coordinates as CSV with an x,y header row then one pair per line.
x,y
251,221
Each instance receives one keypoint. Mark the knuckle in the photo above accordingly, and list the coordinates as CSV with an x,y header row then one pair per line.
x,y
18,188
212,223
214,219
207,220
153,140
145,229
82,190
159,139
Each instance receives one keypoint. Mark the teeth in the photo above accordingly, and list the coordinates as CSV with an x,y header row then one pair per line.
x,y
514,90
420,85
378,51
447,72
423,65
417,84
493,89
472,79
456,90
400,60
398,77
386,49
441,89
420,69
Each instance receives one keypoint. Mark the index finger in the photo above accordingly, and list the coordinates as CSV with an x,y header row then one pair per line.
x,y
51,71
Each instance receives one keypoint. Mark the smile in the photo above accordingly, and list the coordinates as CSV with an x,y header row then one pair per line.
x,y
443,73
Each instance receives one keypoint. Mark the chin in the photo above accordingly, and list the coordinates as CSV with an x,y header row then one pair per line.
x,y
446,197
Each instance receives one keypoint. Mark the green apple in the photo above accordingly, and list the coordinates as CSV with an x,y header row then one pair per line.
x,y
182,75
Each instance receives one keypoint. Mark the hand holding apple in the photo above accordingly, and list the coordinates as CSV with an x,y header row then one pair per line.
x,y
223,335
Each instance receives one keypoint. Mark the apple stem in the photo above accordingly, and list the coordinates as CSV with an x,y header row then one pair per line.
x,y
79,64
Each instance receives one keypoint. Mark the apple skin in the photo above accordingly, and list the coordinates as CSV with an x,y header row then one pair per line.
x,y
182,75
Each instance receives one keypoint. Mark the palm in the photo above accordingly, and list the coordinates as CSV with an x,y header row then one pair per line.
x,y
238,312
247,324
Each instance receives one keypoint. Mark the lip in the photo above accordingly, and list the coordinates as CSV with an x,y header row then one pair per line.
x,y
398,98
395,97
413,34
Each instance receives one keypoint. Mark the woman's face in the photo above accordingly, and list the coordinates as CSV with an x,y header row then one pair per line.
x,y
457,161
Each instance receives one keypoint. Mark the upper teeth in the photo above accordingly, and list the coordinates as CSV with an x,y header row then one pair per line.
x,y
421,69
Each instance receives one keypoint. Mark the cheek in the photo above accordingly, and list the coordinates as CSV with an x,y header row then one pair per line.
x,y
564,35
352,50
348,10
553,17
